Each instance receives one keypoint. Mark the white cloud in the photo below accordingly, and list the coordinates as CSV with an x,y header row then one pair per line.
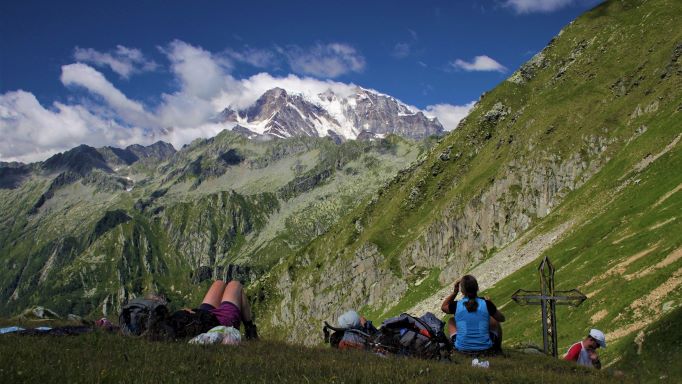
x,y
32,133
246,91
259,58
480,63
83,75
401,50
201,76
449,115
199,72
544,6
324,60
124,61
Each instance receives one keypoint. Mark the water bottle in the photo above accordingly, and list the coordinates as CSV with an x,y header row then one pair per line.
x,y
480,363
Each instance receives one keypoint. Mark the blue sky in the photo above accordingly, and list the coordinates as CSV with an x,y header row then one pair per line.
x,y
113,73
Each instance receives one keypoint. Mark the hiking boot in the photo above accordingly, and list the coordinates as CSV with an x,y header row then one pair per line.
x,y
250,331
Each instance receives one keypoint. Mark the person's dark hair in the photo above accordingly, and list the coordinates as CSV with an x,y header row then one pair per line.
x,y
470,290
593,340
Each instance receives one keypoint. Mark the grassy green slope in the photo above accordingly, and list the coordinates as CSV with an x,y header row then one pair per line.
x,y
607,100
625,253
112,358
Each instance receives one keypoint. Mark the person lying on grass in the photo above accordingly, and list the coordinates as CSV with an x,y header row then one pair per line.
x,y
475,326
585,352
230,306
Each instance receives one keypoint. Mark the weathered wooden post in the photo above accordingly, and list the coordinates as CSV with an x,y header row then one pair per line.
x,y
548,299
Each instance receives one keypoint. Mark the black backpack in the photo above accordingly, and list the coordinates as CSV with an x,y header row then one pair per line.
x,y
420,337
139,316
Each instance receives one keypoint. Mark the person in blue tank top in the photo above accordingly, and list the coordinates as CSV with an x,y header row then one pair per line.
x,y
475,326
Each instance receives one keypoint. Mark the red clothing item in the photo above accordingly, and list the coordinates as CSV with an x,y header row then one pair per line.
x,y
581,355
574,352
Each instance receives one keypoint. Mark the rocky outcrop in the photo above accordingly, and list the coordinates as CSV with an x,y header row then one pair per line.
x,y
527,190
309,299
206,231
157,152
13,174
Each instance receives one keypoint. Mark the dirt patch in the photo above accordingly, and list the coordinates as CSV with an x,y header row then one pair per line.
x,y
624,331
617,241
620,268
593,293
662,223
654,299
651,301
505,262
651,158
599,315
667,195
671,258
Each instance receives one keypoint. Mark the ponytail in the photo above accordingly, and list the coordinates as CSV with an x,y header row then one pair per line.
x,y
470,290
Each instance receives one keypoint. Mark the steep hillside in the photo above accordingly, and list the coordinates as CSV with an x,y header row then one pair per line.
x,y
86,230
575,156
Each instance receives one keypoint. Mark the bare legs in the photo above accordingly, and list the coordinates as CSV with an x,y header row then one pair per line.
x,y
496,327
232,292
452,328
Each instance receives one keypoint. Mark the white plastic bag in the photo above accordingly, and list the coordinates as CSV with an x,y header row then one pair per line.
x,y
218,335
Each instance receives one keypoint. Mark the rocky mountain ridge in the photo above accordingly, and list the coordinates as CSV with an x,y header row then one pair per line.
x,y
363,115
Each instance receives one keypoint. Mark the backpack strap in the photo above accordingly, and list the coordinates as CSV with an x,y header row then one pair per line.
x,y
426,326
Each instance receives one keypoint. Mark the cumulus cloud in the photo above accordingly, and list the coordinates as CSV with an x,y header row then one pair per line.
x,y
259,58
531,6
106,116
199,72
31,132
123,60
449,115
324,60
83,75
480,63
246,91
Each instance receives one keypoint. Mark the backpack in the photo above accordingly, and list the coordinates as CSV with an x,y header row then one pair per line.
x,y
141,315
421,337
350,338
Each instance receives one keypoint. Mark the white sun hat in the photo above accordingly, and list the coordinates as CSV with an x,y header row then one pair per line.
x,y
599,336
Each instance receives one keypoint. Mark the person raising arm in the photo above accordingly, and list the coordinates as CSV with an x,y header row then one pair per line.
x,y
475,326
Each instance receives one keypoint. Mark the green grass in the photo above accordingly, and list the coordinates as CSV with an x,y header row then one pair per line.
x,y
104,357
658,358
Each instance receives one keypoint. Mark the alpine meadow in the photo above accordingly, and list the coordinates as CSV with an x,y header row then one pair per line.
x,y
321,202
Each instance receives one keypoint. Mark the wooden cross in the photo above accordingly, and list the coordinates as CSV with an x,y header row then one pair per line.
x,y
547,298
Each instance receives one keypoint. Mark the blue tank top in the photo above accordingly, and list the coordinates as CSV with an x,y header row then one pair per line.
x,y
473,328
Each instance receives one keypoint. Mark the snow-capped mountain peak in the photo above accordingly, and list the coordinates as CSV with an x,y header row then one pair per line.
x,y
362,114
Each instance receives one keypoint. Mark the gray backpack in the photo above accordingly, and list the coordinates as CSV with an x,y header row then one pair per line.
x,y
140,315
